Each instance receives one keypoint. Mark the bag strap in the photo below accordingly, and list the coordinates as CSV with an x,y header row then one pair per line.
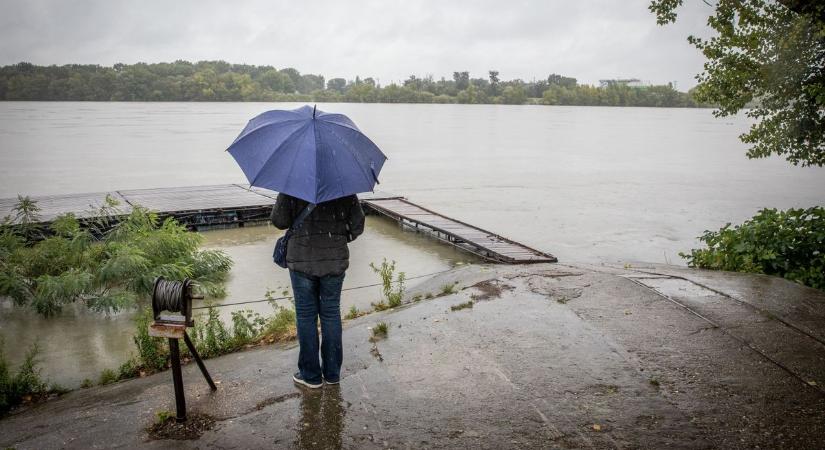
x,y
300,219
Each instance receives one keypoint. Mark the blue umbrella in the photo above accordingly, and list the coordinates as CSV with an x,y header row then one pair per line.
x,y
309,154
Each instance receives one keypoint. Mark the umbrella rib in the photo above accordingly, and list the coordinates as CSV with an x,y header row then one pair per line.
x,y
354,155
268,161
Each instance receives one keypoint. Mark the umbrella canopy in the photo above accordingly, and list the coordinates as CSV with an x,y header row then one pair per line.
x,y
309,154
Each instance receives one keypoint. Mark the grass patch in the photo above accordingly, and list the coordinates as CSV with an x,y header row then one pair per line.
x,y
449,289
354,313
379,331
380,306
460,306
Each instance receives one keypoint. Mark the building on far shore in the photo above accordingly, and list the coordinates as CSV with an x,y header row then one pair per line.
x,y
629,82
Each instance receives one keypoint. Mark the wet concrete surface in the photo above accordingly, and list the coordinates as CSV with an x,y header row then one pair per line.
x,y
565,357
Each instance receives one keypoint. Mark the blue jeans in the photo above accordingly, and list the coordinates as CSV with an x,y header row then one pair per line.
x,y
318,297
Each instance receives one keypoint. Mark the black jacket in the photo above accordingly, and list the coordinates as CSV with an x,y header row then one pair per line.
x,y
319,247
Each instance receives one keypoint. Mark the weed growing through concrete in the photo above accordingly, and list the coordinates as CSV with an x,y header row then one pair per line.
x,y
163,415
380,306
392,294
354,313
460,306
561,300
449,289
379,331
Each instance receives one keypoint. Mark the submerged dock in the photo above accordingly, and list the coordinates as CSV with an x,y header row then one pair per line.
x,y
236,205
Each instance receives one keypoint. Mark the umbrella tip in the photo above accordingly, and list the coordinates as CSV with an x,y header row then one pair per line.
x,y
313,110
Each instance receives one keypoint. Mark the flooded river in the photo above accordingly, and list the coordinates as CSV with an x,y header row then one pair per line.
x,y
583,183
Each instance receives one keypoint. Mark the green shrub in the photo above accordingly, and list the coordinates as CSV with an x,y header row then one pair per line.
x,y
106,264
210,336
392,295
246,326
107,376
789,244
27,383
153,353
281,326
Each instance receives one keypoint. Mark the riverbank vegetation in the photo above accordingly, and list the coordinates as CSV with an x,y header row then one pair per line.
x,y
210,336
24,385
106,263
789,244
772,52
182,81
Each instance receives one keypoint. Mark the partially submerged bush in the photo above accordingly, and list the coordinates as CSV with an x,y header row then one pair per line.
x,y
26,384
104,264
789,244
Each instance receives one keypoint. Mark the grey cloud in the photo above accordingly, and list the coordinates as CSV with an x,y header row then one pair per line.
x,y
389,40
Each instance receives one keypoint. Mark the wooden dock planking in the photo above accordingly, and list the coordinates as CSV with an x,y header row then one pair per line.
x,y
197,198
476,240
204,207
83,206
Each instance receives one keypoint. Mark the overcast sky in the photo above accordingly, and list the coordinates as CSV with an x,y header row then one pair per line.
x,y
389,40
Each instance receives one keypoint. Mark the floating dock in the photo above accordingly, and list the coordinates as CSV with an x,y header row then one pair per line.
x,y
236,205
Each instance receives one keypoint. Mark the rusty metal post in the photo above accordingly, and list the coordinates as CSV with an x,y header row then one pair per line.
x,y
177,379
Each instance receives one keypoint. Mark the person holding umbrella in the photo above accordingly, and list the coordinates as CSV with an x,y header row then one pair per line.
x,y
317,162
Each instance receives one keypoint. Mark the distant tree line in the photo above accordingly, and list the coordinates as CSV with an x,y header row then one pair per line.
x,y
222,81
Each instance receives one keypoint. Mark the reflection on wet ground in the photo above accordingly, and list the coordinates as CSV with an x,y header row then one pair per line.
x,y
78,344
322,418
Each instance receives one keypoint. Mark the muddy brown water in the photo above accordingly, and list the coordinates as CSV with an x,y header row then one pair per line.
x,y
584,183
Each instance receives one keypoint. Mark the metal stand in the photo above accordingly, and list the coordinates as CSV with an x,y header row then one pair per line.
x,y
176,296
174,333
177,379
